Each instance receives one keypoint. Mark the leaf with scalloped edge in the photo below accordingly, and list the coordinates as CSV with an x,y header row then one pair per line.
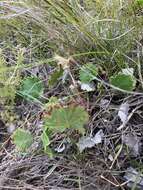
x,y
31,88
22,139
70,117
88,72
123,81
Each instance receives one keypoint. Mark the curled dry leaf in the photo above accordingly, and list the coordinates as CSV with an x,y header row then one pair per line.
x,y
89,87
128,71
63,62
110,157
123,112
89,142
133,142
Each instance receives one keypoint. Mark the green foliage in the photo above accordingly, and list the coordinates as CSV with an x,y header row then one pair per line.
x,y
55,77
67,118
91,28
9,80
123,81
31,88
61,119
46,141
140,2
88,73
22,139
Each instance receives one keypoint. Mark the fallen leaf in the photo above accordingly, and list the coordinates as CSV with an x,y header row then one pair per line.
x,y
88,86
128,71
133,142
134,178
110,157
63,62
11,128
65,75
89,142
104,103
123,112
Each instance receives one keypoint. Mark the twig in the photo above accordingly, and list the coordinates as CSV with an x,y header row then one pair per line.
x,y
116,185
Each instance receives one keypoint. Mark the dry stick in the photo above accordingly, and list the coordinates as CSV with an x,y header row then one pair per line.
x,y
51,171
18,188
116,185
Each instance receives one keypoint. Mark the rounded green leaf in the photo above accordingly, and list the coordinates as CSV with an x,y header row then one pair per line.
x,y
66,118
31,88
124,82
88,73
22,139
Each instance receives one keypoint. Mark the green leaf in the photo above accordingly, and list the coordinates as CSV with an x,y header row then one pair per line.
x,y
46,142
67,118
140,2
31,88
122,81
88,73
22,139
55,77
45,139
